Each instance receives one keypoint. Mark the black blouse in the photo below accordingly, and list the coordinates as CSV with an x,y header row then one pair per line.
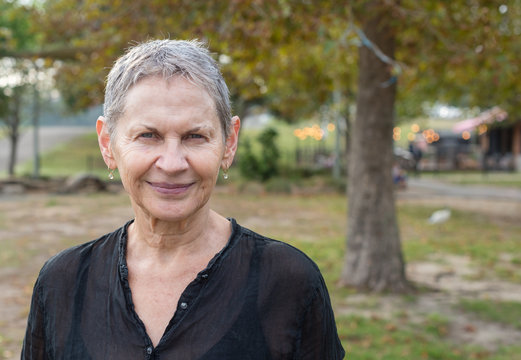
x,y
257,299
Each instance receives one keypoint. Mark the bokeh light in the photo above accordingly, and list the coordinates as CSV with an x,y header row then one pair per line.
x,y
314,132
397,133
430,136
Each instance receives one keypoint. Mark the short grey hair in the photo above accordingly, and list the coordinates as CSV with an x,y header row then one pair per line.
x,y
166,58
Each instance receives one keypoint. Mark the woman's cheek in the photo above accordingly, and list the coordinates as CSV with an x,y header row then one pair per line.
x,y
136,155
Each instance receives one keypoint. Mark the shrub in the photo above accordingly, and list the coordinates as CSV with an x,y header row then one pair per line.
x,y
261,166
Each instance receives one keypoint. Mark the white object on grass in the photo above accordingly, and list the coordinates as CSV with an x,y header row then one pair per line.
x,y
440,216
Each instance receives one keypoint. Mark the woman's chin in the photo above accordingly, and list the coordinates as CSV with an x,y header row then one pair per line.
x,y
170,213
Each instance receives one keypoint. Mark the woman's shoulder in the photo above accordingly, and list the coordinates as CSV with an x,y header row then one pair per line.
x,y
277,256
284,273
65,262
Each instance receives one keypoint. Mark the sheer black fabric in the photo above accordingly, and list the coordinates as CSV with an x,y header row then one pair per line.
x,y
257,299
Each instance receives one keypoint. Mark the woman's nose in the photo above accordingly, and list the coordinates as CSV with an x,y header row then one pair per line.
x,y
172,157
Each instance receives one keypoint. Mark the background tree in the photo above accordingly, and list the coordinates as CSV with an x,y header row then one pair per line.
x,y
374,259
16,74
12,119
271,52
291,56
460,53
446,51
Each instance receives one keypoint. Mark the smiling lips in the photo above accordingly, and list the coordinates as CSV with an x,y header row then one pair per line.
x,y
170,189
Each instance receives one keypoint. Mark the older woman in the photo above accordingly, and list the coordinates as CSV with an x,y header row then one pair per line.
x,y
179,281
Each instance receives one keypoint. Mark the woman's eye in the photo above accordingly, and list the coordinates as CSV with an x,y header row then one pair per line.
x,y
195,136
147,135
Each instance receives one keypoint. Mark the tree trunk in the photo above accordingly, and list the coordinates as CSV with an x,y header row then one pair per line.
x,y
13,137
13,127
374,258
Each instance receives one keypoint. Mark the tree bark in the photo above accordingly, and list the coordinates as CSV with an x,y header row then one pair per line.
x,y
13,152
374,258
13,129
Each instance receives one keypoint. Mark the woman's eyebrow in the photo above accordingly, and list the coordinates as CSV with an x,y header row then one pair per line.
x,y
139,127
150,128
200,128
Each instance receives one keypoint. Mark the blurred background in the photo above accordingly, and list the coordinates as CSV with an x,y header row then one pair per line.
x,y
404,115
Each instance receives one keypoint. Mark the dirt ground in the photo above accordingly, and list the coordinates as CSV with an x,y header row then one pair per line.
x,y
449,278
61,221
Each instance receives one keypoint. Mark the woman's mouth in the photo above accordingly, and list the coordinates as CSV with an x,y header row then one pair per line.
x,y
169,188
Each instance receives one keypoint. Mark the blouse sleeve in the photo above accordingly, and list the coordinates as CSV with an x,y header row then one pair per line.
x,y
34,341
319,338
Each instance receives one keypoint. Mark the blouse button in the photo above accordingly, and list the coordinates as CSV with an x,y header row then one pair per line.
x,y
149,350
204,276
183,305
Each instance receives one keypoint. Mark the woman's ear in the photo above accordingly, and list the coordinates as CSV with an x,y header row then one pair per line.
x,y
231,143
105,143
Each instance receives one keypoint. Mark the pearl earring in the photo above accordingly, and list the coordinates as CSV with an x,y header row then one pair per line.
x,y
111,173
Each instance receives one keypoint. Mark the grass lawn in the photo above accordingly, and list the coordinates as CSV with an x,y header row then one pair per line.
x,y
473,235
507,312
77,156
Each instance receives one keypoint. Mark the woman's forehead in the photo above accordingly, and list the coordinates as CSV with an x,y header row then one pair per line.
x,y
157,102
175,92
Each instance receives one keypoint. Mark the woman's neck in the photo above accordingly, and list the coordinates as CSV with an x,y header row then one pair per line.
x,y
162,242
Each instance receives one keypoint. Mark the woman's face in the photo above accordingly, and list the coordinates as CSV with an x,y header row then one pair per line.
x,y
169,147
